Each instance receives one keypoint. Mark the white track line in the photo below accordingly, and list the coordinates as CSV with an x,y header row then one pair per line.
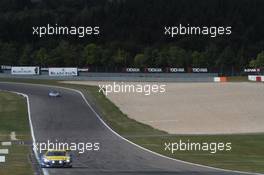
x,y
45,172
160,155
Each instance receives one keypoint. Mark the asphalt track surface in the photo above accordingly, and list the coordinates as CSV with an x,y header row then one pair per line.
x,y
69,119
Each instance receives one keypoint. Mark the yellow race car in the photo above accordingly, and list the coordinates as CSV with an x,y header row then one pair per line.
x,y
56,158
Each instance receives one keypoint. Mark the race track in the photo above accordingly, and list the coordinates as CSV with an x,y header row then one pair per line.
x,y
70,119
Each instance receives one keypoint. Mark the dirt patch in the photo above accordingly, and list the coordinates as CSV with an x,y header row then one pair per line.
x,y
196,108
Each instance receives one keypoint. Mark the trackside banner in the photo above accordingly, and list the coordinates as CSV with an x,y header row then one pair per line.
x,y
131,69
83,69
31,70
154,70
252,70
199,70
63,71
5,67
175,70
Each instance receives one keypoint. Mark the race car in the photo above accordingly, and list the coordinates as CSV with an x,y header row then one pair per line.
x,y
56,158
54,94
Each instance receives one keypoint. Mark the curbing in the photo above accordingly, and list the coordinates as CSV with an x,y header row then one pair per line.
x,y
4,151
2,159
6,143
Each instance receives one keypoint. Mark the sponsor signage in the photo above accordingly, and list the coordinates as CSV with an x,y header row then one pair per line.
x,y
153,70
176,70
199,70
5,67
63,71
130,69
44,69
83,69
31,70
252,70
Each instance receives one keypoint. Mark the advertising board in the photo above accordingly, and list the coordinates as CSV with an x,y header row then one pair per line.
x,y
130,69
23,70
63,71
176,70
154,70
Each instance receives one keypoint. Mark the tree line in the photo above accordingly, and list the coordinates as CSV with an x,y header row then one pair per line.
x,y
67,54
131,33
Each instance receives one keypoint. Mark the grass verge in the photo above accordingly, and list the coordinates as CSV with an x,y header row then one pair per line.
x,y
13,117
246,154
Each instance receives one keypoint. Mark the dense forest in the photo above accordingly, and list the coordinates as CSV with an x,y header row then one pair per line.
x,y
132,33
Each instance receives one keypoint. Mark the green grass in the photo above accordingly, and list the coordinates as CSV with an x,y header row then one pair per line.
x,y
13,117
116,119
247,152
17,162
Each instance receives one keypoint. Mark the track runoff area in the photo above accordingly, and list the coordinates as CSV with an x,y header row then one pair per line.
x,y
168,146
